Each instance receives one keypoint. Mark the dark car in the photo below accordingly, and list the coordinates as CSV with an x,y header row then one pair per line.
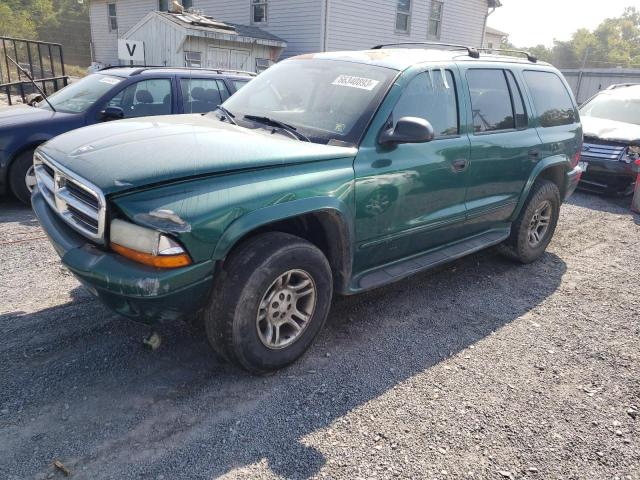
x,y
611,122
110,94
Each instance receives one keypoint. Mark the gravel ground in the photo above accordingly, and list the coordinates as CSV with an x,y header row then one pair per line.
x,y
481,369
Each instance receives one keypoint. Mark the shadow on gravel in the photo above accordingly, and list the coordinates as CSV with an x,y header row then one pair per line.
x,y
12,210
604,203
78,385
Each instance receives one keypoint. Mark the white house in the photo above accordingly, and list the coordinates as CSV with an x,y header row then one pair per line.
x,y
310,25
493,37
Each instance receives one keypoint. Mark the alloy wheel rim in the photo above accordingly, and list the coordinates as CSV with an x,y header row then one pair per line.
x,y
286,309
539,224
30,179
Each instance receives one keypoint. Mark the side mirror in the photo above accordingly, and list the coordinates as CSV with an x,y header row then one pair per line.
x,y
112,113
408,130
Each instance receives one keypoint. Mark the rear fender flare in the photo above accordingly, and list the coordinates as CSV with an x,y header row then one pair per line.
x,y
549,162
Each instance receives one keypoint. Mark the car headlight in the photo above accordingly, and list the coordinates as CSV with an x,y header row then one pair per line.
x,y
633,152
147,246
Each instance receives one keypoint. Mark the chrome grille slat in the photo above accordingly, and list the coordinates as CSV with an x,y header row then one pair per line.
x,y
602,151
79,203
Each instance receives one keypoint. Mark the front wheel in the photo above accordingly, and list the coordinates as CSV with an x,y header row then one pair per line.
x,y
270,302
533,230
22,178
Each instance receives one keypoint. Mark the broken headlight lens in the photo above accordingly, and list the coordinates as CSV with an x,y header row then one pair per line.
x,y
147,246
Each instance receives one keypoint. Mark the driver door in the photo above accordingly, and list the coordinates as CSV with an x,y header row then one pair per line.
x,y
411,197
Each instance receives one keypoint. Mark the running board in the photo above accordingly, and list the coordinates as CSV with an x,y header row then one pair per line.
x,y
395,271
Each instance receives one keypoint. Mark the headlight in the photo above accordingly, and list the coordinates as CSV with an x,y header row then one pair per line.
x,y
147,246
633,152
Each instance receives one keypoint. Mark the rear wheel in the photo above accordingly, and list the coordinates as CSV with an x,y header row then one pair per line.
x,y
533,229
22,179
270,302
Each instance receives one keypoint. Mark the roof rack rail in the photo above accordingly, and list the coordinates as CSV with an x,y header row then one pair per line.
x,y
472,52
142,68
531,58
615,86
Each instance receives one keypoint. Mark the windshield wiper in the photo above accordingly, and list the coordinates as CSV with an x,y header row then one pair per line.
x,y
228,115
44,95
272,122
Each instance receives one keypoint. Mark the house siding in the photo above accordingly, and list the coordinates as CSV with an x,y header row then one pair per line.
x,y
298,22
360,24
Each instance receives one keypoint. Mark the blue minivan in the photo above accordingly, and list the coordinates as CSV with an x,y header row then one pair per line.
x,y
109,94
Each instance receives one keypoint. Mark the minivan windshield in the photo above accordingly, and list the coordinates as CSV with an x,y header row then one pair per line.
x,y
79,96
617,105
323,100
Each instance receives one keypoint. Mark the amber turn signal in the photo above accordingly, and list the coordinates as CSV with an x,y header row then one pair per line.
x,y
159,261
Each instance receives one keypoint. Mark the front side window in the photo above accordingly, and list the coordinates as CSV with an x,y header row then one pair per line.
x,y
145,98
620,105
201,95
403,16
324,99
259,11
490,101
113,17
550,98
435,19
432,96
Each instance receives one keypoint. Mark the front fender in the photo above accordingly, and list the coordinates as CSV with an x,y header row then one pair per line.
x,y
549,162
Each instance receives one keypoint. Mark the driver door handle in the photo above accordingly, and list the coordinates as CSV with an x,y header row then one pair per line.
x,y
460,164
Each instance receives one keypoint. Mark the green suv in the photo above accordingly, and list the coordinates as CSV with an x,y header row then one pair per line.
x,y
332,173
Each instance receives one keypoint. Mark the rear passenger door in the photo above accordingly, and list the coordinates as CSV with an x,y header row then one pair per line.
x,y
202,95
503,146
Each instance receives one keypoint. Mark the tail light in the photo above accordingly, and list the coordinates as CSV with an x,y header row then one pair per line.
x,y
575,160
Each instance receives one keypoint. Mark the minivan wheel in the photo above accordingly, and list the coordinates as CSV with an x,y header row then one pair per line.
x,y
22,178
533,229
269,303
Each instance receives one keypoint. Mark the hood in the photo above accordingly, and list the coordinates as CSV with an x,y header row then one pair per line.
x,y
127,154
20,115
610,129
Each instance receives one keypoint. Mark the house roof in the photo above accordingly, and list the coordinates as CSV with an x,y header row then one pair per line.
x,y
205,26
494,31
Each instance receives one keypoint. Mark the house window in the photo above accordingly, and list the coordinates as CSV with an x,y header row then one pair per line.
x,y
192,59
187,4
435,19
113,17
403,16
163,5
258,11
262,64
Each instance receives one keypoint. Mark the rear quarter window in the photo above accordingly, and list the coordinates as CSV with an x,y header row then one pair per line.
x,y
551,99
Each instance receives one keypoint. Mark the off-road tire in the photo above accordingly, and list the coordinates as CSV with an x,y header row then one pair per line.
x,y
246,276
17,172
517,246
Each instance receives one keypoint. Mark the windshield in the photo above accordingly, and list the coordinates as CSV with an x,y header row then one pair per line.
x,y
324,100
79,96
614,106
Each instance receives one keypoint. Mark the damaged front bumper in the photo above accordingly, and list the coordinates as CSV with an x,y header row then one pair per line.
x,y
130,289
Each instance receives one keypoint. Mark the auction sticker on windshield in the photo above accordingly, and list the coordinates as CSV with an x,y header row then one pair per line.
x,y
356,82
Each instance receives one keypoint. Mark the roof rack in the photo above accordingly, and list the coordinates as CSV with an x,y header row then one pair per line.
x,y
621,85
531,58
142,68
472,52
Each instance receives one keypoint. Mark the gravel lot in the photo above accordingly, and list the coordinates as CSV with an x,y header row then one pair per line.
x,y
481,369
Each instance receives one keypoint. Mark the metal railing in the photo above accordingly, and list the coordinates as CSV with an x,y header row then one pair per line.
x,y
43,60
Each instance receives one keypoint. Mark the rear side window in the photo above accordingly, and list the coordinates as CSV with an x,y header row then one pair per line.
x,y
491,101
432,96
201,95
551,98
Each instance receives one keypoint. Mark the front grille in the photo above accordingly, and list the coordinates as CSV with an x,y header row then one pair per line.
x,y
79,203
601,151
